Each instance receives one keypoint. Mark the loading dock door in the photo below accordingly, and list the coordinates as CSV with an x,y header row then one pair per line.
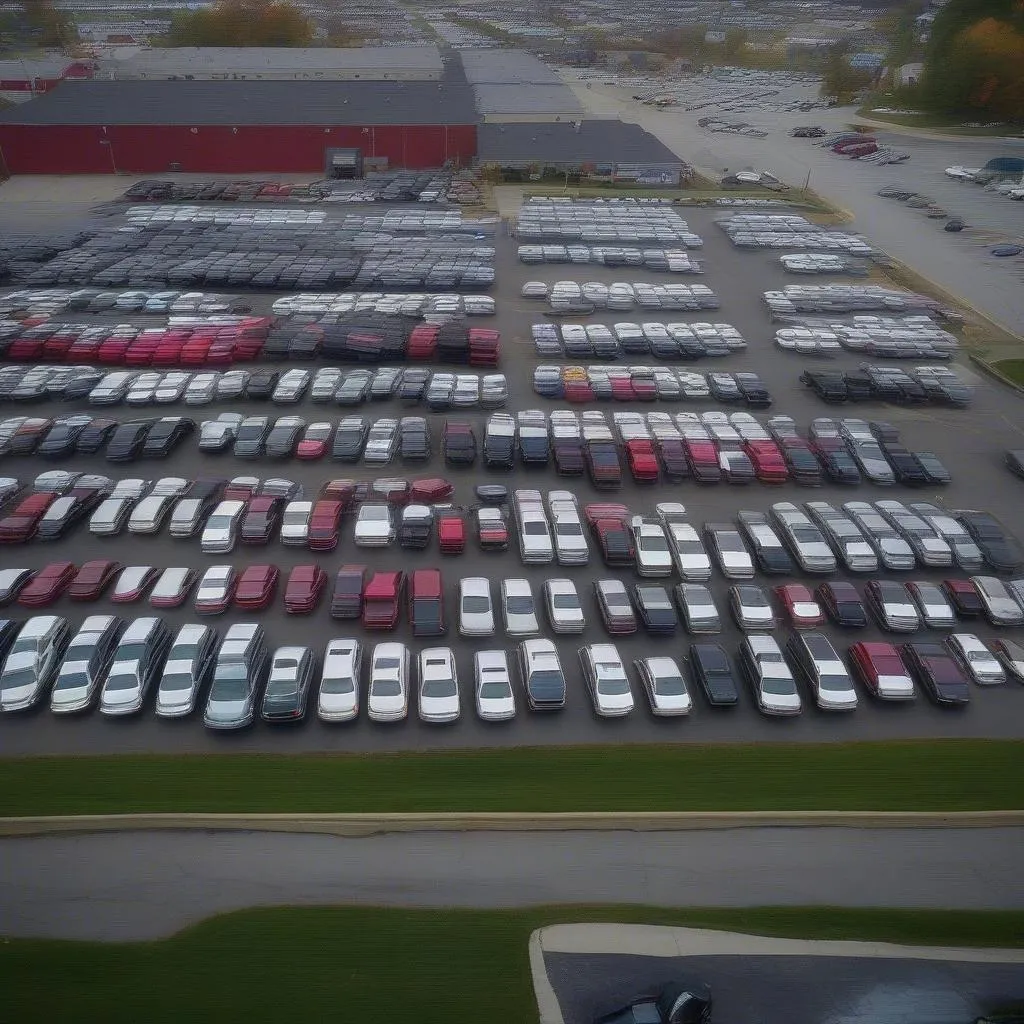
x,y
344,163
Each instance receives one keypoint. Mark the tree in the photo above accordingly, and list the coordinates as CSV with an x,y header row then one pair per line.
x,y
242,23
842,81
54,29
974,65
735,42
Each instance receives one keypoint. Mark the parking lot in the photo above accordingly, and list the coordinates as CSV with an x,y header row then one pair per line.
x,y
970,443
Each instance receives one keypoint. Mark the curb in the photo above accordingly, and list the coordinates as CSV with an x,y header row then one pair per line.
x,y
990,371
361,825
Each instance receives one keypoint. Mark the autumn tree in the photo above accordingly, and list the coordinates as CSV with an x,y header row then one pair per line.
x,y
54,29
242,23
840,80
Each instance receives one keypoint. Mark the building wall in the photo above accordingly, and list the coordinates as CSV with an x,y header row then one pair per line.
x,y
152,149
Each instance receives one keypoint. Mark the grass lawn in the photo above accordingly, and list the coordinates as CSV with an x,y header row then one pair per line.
x,y
370,964
944,125
1013,369
926,775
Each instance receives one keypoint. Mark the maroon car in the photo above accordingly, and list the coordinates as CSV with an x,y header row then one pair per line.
x,y
21,524
431,490
92,579
347,596
324,522
304,589
256,587
48,584
260,519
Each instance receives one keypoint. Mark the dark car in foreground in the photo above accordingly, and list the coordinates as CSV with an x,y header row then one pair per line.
x,y
678,1002
936,671
713,673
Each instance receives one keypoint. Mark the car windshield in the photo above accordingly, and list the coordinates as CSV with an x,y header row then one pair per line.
x,y
565,601
546,678
519,605
176,681
338,684
495,689
568,529
534,527
654,543
221,522
424,609
474,604
232,683
20,677
122,677
610,680
439,688
73,674
387,688
777,684
670,685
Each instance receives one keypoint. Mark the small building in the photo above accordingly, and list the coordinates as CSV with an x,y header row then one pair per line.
x,y
598,150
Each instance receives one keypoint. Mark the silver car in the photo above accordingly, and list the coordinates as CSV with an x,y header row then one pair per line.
x,y
535,543
221,529
846,537
700,614
238,675
804,540
338,698
565,613
688,551
931,602
976,659
495,698
871,462
32,662
733,557
1001,609
518,608
817,660
930,548
893,551
186,671
769,675
569,536
295,523
966,553
665,685
605,677
137,663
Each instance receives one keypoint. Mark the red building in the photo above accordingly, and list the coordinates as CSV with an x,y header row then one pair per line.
x,y
152,127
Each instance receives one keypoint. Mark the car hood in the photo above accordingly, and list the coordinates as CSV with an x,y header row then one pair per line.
x,y
386,704
338,703
503,706
227,710
782,701
616,701
18,694
120,697
674,702
67,695
439,705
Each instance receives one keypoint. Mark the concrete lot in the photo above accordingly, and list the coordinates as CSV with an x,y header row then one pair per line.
x,y
114,887
958,263
969,442
812,989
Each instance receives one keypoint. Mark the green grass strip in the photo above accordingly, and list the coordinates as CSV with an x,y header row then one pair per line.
x,y
374,964
927,775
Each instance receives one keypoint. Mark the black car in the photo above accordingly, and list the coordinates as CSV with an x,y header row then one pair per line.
x,y
713,672
1001,549
499,451
68,510
932,467
9,630
672,455
828,385
416,527
859,387
206,489
347,595
907,469
936,671
769,554
62,439
753,390
535,450
803,467
1014,461
126,442
166,435
349,439
678,1002
842,604
414,441
414,381
283,437
884,433
840,468
79,386
491,494
569,460
657,612
261,384
459,443
723,386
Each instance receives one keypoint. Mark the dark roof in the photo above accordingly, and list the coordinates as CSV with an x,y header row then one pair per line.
x,y
596,142
448,101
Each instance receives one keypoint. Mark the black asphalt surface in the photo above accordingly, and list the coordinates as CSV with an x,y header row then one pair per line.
x,y
969,442
793,989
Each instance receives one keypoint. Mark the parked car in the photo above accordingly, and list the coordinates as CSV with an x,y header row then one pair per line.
x,y
187,670
387,697
983,667
85,663
32,661
288,683
541,673
713,673
763,664
238,676
664,684
438,692
605,676
820,665
936,671
137,663
338,696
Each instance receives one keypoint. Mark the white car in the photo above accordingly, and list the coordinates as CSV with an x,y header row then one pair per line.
x,y
476,609
893,551
131,580
606,679
1001,608
653,554
438,685
149,514
804,540
214,589
495,698
188,517
31,664
172,386
11,582
221,529
816,659
143,388
112,513
665,685
172,587
387,697
691,557
216,435
375,526
381,441
769,676
535,543
976,659
338,699
733,557
569,536
541,672
849,542
295,523
518,609
85,664
751,608
137,663
562,602
186,671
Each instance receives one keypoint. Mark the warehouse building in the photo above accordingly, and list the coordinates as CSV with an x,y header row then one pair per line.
x,y
269,63
593,150
23,79
512,85
242,127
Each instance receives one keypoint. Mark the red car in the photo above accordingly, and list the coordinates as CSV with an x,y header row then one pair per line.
x,y
643,463
48,584
382,600
260,519
492,529
314,441
578,390
609,522
881,671
622,389
348,492
801,607
426,603
22,522
703,459
451,534
347,596
92,579
324,523
304,589
241,488
431,490
767,461
964,597
645,388
256,587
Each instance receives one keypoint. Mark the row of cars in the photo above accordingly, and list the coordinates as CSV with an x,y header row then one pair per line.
x,y
330,384
662,341
648,384
934,385
118,665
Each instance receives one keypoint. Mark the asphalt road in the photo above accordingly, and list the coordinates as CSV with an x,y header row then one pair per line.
x,y
797,989
958,263
142,885
970,442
